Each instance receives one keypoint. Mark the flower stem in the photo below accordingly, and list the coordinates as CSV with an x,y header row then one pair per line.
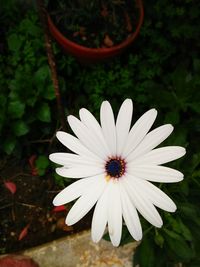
x,y
52,63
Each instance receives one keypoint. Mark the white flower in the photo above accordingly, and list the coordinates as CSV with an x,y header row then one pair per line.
x,y
116,164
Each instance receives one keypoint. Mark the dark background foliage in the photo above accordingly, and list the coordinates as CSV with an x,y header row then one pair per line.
x,y
161,70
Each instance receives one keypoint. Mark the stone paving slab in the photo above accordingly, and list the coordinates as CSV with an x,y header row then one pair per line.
x,y
79,251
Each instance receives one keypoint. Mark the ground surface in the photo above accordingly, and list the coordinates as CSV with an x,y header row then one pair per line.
x,y
27,216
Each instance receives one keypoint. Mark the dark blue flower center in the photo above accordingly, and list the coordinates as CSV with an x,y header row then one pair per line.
x,y
115,167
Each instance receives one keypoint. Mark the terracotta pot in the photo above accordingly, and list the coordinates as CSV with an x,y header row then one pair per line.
x,y
17,261
86,54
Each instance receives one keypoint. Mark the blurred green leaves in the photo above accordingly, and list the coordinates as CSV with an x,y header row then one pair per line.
x,y
42,163
14,42
27,94
16,109
44,113
20,128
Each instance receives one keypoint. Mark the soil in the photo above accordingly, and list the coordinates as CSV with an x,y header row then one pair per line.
x,y
95,23
27,216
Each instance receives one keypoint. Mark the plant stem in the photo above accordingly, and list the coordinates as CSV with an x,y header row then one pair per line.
x,y
52,63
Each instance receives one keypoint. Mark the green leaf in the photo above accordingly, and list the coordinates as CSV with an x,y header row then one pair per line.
x,y
20,128
44,113
60,181
49,92
185,231
195,107
144,255
174,224
189,211
41,75
172,117
9,145
16,109
196,64
28,25
42,163
184,187
180,136
178,245
172,234
14,42
195,161
159,240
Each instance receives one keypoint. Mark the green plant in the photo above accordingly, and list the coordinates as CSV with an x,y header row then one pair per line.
x,y
26,111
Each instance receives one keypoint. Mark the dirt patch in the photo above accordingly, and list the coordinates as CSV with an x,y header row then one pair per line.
x,y
95,23
28,217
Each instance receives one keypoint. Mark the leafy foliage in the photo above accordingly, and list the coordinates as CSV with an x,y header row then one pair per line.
x,y
42,163
25,81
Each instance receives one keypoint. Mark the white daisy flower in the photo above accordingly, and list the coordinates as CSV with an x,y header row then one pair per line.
x,y
116,163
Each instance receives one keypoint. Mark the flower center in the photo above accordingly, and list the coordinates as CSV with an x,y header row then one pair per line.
x,y
115,167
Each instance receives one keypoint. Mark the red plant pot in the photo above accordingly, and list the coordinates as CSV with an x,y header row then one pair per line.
x,y
86,54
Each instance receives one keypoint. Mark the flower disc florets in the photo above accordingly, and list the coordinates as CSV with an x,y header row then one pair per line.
x,y
115,167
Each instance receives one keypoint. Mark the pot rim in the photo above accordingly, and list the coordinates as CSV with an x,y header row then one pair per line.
x,y
101,50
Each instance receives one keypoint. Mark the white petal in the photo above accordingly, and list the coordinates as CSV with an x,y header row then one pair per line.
x,y
86,201
108,126
79,171
69,159
74,191
123,124
114,214
155,173
86,137
161,155
100,216
142,203
151,140
90,121
130,215
75,145
139,130
155,195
